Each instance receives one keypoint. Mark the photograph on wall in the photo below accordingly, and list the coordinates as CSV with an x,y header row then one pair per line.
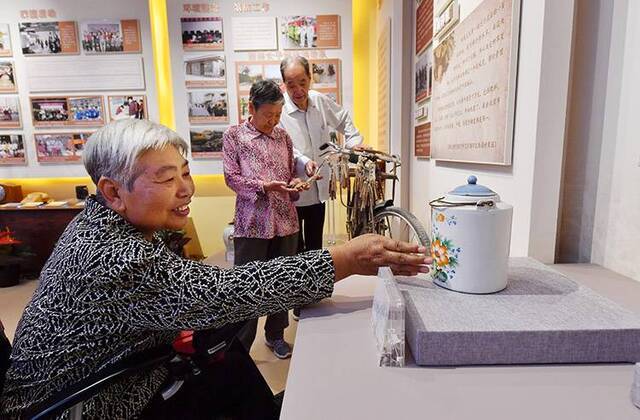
x,y
243,107
325,73
12,149
333,94
7,77
272,72
303,32
46,38
262,35
475,77
60,147
67,111
127,107
5,41
248,74
205,71
206,142
424,76
110,36
9,112
207,106
202,33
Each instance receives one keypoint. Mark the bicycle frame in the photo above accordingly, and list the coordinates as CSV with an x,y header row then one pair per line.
x,y
362,173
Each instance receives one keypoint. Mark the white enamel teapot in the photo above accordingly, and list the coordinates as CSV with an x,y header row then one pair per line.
x,y
470,239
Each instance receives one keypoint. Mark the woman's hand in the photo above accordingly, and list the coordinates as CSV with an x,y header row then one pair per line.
x,y
366,253
277,186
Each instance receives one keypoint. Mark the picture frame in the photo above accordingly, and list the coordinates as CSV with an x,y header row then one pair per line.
x,y
5,40
99,37
202,33
206,142
8,79
65,111
203,71
12,150
127,107
60,147
10,112
208,106
48,38
302,32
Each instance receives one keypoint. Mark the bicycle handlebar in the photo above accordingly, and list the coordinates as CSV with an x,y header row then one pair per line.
x,y
354,154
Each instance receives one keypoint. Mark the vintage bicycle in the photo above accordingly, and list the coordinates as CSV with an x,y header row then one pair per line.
x,y
362,176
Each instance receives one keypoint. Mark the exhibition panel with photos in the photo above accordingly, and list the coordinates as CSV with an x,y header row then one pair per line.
x,y
219,49
64,72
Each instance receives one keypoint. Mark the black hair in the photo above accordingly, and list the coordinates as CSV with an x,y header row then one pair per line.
x,y
265,92
294,60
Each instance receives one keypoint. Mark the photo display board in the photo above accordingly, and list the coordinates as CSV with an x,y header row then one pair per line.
x,y
65,71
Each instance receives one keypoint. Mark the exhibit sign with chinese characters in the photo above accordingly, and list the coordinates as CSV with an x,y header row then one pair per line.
x,y
475,70
422,140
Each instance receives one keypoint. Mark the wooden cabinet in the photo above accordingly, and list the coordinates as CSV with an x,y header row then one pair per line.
x,y
39,229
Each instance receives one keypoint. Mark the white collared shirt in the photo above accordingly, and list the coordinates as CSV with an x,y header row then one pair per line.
x,y
309,130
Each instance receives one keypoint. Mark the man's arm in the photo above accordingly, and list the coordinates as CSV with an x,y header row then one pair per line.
x,y
339,118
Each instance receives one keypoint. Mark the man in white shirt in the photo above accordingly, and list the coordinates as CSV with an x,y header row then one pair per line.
x,y
309,117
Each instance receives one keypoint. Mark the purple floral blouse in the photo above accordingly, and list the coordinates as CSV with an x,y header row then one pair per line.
x,y
252,158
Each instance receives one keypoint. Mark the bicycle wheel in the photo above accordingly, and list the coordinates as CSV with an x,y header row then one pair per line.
x,y
397,223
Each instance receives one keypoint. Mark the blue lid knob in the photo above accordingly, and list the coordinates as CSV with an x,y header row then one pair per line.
x,y
472,189
472,179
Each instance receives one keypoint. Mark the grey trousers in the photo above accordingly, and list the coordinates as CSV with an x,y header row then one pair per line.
x,y
253,249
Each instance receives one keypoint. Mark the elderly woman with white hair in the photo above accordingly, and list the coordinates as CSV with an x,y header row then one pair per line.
x,y
112,288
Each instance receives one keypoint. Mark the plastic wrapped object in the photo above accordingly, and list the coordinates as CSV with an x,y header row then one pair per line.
x,y
387,319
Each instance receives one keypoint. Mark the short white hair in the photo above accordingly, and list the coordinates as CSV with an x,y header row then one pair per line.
x,y
113,150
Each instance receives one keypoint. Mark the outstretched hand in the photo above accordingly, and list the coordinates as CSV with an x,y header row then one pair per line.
x,y
366,253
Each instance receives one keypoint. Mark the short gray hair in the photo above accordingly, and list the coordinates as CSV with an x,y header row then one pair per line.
x,y
113,150
290,61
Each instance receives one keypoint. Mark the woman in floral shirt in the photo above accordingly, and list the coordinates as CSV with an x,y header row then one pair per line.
x,y
259,167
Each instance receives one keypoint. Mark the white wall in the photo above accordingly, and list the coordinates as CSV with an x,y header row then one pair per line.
x,y
399,14
70,11
227,12
532,183
616,236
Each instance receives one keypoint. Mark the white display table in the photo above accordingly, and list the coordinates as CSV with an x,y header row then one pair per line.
x,y
333,372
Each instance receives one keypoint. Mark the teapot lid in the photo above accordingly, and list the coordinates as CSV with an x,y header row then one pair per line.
x,y
472,189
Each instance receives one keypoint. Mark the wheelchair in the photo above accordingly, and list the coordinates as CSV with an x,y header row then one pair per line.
x,y
190,352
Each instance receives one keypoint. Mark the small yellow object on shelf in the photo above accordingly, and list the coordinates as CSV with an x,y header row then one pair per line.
x,y
57,204
31,204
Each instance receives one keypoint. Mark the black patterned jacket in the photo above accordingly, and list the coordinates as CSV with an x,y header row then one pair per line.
x,y
106,292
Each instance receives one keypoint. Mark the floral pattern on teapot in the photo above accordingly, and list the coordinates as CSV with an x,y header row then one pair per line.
x,y
444,253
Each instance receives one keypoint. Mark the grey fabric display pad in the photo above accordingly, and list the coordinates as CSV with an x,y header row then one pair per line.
x,y
541,317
